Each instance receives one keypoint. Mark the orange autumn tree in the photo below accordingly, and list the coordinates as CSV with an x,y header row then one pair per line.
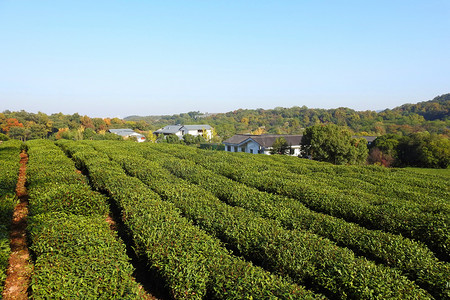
x,y
6,125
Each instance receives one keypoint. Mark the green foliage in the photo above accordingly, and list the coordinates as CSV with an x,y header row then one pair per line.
x,y
418,208
303,256
415,260
73,198
333,144
432,116
189,139
9,166
3,137
280,146
193,263
417,149
77,255
424,150
172,139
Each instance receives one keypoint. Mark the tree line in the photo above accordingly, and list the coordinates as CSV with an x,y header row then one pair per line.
x,y
408,135
432,116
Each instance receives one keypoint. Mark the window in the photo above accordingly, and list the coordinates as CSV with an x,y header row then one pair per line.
x,y
229,148
251,151
235,149
243,149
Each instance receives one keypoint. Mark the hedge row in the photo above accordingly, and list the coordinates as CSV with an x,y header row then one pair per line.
x,y
416,261
430,192
429,228
305,257
414,202
193,264
76,254
9,171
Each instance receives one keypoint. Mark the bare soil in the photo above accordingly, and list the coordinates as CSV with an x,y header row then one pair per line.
x,y
19,265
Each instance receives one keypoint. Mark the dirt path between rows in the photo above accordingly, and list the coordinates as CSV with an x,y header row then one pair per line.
x,y
19,265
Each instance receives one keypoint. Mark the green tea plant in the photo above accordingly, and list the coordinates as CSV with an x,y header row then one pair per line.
x,y
304,256
76,255
193,264
408,219
9,171
414,259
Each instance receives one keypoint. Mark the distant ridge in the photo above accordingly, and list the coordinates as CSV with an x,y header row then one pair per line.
x,y
432,116
427,109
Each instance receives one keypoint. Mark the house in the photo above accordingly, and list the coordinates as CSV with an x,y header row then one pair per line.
x,y
181,130
127,133
251,143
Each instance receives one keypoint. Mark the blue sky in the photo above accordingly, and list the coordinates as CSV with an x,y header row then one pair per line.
x,y
120,58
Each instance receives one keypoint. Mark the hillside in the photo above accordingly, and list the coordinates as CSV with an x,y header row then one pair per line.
x,y
432,115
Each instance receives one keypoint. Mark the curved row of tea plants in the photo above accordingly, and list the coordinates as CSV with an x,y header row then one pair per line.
x,y
76,255
306,257
9,171
193,264
430,191
431,229
415,260
338,178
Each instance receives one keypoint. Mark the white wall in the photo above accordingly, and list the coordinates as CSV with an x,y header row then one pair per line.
x,y
196,133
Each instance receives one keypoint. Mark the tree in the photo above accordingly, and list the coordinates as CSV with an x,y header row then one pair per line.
x,y
189,139
10,123
18,132
280,146
333,144
3,137
424,150
172,139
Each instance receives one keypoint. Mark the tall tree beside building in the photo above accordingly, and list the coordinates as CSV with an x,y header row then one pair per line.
x,y
333,144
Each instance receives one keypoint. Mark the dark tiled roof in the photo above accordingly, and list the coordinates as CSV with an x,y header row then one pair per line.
x,y
238,138
267,140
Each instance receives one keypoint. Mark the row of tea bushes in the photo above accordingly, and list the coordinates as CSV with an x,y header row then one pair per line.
x,y
429,194
394,187
429,228
414,259
401,183
9,171
193,264
76,255
306,257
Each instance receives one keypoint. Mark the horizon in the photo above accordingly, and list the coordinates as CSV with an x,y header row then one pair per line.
x,y
107,59
209,113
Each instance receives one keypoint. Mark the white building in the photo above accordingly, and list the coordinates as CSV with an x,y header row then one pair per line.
x,y
181,130
251,143
127,133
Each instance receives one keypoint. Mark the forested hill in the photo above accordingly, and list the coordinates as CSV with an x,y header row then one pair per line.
x,y
436,109
432,116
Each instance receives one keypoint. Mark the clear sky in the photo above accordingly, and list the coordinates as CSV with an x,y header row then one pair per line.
x,y
120,58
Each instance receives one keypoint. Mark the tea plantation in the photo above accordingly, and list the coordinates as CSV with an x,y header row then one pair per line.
x,y
218,225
